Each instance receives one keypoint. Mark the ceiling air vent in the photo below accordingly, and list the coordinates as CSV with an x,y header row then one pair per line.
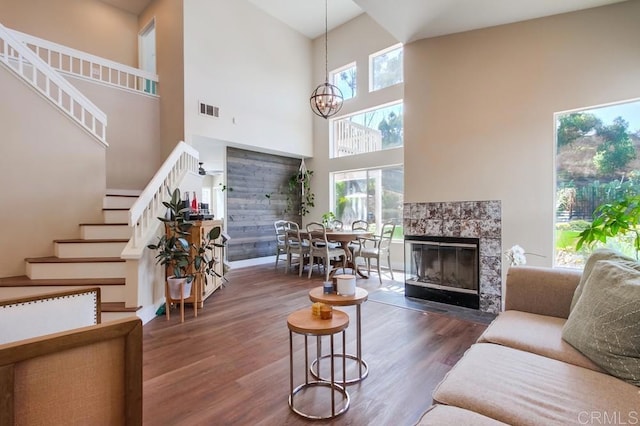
x,y
210,110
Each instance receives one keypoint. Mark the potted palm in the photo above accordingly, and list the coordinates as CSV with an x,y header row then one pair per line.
x,y
184,259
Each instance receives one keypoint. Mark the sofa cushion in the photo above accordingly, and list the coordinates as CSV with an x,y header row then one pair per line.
x,y
599,254
518,387
539,334
605,323
447,415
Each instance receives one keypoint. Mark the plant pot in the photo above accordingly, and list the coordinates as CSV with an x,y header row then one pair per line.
x,y
174,287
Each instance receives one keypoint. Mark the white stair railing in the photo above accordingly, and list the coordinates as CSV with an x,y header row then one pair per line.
x,y
143,215
26,64
353,138
88,66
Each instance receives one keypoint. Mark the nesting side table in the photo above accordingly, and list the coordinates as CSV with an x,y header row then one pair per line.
x,y
317,295
303,322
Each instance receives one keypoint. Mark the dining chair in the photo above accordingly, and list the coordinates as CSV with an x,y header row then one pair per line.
x,y
376,248
357,225
320,248
336,225
281,244
360,225
296,247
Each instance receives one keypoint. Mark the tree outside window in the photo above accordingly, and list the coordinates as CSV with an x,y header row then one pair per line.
x,y
597,162
345,79
374,195
386,68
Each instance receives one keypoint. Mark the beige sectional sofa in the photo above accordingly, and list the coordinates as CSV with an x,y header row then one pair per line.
x,y
522,372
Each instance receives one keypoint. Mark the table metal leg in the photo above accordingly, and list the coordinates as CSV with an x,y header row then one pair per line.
x,y
363,367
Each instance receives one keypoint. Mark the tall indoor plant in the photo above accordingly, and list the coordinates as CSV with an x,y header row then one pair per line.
x,y
183,259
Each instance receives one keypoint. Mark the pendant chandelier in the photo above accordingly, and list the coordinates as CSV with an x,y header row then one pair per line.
x,y
327,99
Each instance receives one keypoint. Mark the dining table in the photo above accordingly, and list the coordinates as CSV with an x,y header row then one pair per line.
x,y
344,237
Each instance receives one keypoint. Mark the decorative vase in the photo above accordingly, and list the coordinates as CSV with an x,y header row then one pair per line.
x,y
174,287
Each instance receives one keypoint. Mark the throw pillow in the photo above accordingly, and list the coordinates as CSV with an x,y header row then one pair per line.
x,y
598,254
605,323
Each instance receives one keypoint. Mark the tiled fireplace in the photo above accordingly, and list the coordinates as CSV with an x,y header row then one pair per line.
x,y
481,220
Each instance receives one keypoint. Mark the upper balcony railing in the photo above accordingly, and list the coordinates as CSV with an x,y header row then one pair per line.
x,y
27,65
351,138
85,65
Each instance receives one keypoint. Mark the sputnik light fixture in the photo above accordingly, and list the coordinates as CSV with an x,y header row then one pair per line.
x,y
327,99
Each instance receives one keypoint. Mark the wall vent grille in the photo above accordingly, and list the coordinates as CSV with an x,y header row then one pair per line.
x,y
210,110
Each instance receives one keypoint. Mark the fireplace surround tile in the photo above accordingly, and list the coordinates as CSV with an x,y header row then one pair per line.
x,y
471,228
451,227
470,219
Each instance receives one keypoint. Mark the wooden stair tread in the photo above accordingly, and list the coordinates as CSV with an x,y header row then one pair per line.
x,y
116,307
53,259
24,281
116,209
105,240
122,195
103,224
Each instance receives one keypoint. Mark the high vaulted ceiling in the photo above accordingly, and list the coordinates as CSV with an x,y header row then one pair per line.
x,y
406,20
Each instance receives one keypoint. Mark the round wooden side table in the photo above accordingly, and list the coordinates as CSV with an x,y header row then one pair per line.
x,y
303,322
317,295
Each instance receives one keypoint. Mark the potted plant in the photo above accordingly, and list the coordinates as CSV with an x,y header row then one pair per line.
x,y
183,259
327,219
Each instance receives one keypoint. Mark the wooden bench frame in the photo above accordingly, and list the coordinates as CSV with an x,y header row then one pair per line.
x,y
126,332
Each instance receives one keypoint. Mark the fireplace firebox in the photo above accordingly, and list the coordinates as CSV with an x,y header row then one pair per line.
x,y
443,269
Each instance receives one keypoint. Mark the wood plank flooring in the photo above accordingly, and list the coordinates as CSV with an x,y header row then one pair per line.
x,y
230,365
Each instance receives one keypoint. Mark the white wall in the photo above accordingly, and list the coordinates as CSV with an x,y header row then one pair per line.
x,y
168,16
479,110
52,174
88,25
255,69
133,133
352,41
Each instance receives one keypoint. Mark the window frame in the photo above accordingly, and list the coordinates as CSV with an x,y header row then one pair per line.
x,y
380,53
366,170
337,71
334,120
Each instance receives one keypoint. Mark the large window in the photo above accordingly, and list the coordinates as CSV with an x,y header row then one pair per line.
x,y
385,68
368,131
374,195
597,162
345,79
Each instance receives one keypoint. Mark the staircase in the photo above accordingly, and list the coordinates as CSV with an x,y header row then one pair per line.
x,y
89,261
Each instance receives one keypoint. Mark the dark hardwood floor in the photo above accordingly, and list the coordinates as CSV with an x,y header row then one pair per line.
x,y
230,365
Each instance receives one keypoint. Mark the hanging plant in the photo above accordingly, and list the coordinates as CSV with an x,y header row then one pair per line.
x,y
300,185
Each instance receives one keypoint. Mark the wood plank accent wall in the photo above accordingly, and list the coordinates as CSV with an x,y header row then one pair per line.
x,y
251,176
